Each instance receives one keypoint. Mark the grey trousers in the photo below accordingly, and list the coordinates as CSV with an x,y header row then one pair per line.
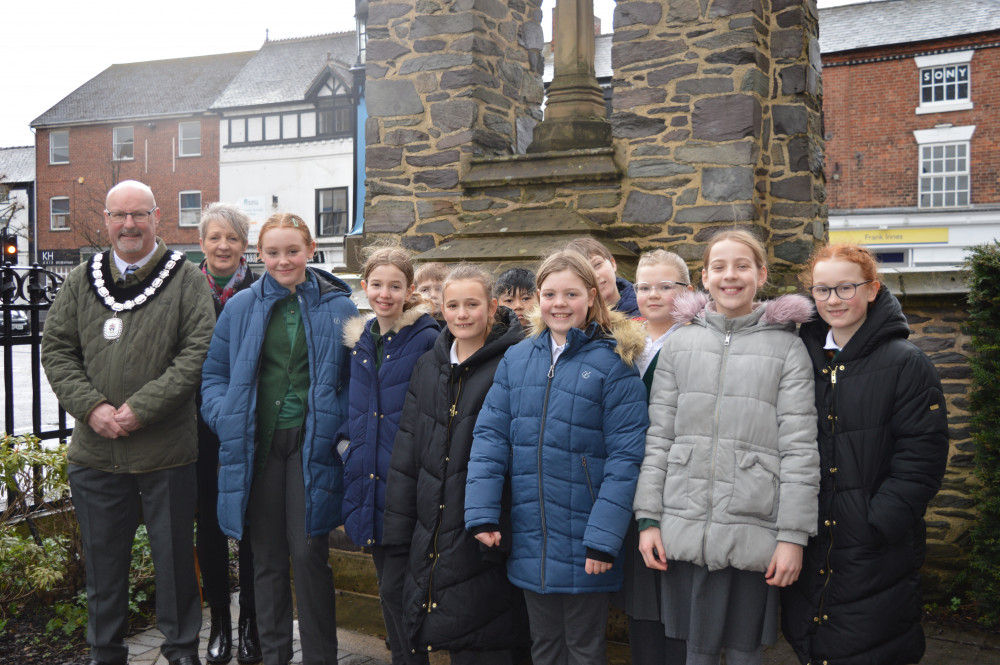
x,y
107,509
277,514
568,629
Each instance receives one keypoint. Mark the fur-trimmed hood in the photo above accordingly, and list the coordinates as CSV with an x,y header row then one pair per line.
x,y
628,335
356,327
789,308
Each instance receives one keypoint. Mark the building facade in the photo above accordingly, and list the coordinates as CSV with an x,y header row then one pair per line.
x,y
148,121
911,92
286,137
17,199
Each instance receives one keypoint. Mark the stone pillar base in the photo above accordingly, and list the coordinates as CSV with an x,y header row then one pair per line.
x,y
352,252
559,135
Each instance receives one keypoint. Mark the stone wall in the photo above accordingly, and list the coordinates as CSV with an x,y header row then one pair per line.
x,y
716,120
447,80
717,113
952,512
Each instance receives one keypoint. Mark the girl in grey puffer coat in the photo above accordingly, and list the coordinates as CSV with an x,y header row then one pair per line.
x,y
731,470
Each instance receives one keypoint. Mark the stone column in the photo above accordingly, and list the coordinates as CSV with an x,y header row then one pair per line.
x,y
574,110
717,109
446,81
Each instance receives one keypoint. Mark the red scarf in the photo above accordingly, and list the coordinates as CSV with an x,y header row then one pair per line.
x,y
222,295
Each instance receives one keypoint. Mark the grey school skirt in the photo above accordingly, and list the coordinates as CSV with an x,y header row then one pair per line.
x,y
722,609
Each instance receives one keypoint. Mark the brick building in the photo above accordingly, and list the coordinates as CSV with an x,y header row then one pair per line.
x,y
911,105
148,121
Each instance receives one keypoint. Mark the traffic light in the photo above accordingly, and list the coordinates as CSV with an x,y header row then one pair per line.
x,y
9,246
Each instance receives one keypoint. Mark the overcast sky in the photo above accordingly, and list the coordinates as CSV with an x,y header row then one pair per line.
x,y
52,47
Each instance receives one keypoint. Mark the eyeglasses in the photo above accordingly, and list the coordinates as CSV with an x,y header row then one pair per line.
x,y
663,287
843,291
138,217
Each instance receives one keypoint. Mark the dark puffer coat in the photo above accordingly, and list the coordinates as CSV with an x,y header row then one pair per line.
x,y
376,402
883,442
627,303
472,605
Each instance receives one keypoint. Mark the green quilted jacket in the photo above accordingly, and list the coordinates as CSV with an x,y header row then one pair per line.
x,y
155,365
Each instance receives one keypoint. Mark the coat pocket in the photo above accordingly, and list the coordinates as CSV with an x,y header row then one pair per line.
x,y
675,486
755,485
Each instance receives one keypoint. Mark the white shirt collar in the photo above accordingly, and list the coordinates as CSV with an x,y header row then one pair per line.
x,y
652,347
123,264
556,349
830,342
454,353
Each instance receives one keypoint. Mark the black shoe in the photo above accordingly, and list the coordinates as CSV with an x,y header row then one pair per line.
x,y
220,637
186,660
248,650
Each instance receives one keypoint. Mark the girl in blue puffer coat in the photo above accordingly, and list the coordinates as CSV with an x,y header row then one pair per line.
x,y
274,390
384,349
565,421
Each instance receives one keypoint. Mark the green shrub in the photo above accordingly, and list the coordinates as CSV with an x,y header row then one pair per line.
x,y
35,561
984,326
41,560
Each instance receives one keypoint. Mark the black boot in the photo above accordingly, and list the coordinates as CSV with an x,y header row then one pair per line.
x,y
248,650
220,637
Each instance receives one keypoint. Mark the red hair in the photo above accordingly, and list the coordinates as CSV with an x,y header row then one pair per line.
x,y
843,252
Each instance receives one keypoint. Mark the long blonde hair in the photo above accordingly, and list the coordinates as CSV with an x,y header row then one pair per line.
x,y
741,236
579,265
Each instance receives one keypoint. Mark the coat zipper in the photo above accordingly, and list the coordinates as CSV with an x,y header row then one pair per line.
x,y
715,434
586,474
541,493
452,412
830,522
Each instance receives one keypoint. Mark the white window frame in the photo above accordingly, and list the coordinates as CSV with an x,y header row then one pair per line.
x,y
61,215
182,139
927,140
116,144
52,135
181,210
927,63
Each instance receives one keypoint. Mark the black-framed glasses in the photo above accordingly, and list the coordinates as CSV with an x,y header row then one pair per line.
x,y
844,291
138,217
664,287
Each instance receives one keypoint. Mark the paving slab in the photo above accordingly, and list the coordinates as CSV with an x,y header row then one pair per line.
x,y
945,646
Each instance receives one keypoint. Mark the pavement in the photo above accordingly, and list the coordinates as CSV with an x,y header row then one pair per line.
x,y
355,648
945,646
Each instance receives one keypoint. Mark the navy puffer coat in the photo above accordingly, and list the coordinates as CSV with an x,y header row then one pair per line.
x,y
459,598
627,303
883,443
376,402
570,436
229,394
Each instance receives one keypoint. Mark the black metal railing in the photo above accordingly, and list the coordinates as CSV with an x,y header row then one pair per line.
x,y
30,290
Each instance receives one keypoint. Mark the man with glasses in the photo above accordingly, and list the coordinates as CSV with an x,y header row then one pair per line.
x,y
123,347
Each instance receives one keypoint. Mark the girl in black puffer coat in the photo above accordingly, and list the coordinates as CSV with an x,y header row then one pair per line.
x,y
456,594
883,443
